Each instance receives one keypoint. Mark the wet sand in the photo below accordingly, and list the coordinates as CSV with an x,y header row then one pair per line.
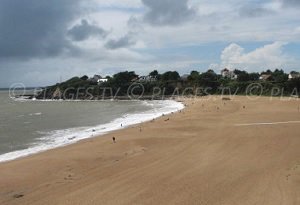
x,y
214,152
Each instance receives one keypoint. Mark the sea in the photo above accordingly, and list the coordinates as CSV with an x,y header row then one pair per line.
x,y
31,126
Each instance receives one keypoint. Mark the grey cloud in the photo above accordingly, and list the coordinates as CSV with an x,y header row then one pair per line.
x,y
290,3
35,28
123,42
167,12
254,11
85,30
135,24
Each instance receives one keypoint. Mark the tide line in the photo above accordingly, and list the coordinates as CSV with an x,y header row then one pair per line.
x,y
267,123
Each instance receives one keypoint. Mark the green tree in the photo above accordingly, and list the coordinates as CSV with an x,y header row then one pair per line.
x,y
268,72
209,79
243,76
237,72
170,76
193,77
154,74
124,78
279,76
85,77
253,76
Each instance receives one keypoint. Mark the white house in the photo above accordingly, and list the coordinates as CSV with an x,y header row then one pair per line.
x,y
147,79
228,74
294,75
102,80
265,77
98,79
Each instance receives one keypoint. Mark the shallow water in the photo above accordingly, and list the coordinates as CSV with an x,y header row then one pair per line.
x,y
27,127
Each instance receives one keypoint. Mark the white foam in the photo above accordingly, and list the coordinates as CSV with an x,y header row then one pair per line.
x,y
35,114
59,138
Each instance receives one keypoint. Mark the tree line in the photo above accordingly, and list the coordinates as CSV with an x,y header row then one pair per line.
x,y
170,82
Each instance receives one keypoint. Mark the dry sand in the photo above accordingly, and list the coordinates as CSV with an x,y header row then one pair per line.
x,y
199,157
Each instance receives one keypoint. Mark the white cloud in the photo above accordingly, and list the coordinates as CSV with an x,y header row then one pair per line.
x,y
269,56
116,3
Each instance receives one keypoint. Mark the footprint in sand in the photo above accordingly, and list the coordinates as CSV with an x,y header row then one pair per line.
x,y
69,178
17,196
135,151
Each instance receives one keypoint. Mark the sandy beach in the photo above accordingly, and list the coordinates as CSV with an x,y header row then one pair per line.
x,y
214,152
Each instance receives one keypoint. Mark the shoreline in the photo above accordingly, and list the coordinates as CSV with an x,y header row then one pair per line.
x,y
70,136
101,98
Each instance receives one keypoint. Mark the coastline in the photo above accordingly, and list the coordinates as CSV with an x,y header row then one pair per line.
x,y
61,138
191,157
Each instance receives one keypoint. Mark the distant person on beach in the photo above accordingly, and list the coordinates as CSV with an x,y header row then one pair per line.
x,y
114,139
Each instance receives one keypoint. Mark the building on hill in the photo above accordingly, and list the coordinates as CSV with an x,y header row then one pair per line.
x,y
294,75
147,78
102,80
98,79
95,78
226,73
265,77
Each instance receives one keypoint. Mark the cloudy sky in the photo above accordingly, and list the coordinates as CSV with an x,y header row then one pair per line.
x,y
43,40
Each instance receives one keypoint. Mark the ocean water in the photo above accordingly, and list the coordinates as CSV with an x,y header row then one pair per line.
x,y
28,127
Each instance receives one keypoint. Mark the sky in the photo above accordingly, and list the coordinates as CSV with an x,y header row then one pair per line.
x,y
43,41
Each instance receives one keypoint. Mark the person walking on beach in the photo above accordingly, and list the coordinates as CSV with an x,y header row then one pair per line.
x,y
114,139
